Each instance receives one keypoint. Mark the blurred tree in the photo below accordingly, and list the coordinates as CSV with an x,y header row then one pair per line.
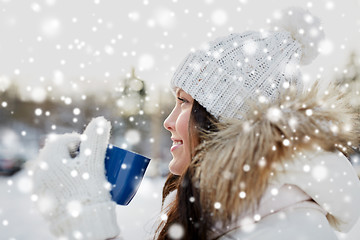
x,y
135,112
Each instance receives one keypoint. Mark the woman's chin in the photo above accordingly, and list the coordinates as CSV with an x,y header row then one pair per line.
x,y
174,168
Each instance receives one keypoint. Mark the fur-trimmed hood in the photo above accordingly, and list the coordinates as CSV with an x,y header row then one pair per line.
x,y
245,154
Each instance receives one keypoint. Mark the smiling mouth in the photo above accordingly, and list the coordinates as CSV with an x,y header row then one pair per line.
x,y
176,144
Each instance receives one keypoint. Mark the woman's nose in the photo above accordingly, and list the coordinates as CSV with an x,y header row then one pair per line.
x,y
169,123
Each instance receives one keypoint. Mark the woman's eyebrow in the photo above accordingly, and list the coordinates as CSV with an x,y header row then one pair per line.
x,y
178,91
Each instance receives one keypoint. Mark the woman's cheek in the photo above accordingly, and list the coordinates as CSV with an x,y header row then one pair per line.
x,y
182,126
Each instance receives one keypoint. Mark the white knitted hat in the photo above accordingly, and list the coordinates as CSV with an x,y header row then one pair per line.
x,y
251,65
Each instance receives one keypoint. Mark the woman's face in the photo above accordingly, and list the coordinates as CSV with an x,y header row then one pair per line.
x,y
178,124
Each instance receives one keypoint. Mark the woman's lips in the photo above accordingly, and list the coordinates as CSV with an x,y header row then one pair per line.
x,y
176,144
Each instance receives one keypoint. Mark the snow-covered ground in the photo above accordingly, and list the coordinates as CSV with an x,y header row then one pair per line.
x,y
19,220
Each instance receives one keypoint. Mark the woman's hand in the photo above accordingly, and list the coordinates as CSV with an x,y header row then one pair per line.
x,y
71,186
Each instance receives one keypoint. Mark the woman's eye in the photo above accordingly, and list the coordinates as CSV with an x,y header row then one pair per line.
x,y
182,100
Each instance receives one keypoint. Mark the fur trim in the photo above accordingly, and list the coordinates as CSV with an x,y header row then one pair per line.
x,y
244,154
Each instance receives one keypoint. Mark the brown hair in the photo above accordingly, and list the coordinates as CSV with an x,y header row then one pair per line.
x,y
182,210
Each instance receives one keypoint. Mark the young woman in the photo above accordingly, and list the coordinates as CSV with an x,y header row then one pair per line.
x,y
254,157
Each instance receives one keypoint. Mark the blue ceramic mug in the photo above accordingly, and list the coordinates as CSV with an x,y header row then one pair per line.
x,y
125,171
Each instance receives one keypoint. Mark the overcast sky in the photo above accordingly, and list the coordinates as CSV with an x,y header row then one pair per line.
x,y
90,44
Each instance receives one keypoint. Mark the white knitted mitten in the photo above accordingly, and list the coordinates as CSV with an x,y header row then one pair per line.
x,y
73,193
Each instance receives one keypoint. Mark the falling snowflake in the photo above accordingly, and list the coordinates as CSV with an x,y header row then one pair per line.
x,y
219,17
242,194
164,17
58,77
274,191
25,184
250,47
74,208
330,5
51,27
176,231
274,114
146,62
38,111
326,47
319,173
133,136
164,217
247,224
5,222
38,94
76,111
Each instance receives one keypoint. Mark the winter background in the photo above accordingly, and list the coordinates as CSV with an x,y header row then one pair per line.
x,y
65,62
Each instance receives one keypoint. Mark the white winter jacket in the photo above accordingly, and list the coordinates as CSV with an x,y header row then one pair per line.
x,y
303,202
315,194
